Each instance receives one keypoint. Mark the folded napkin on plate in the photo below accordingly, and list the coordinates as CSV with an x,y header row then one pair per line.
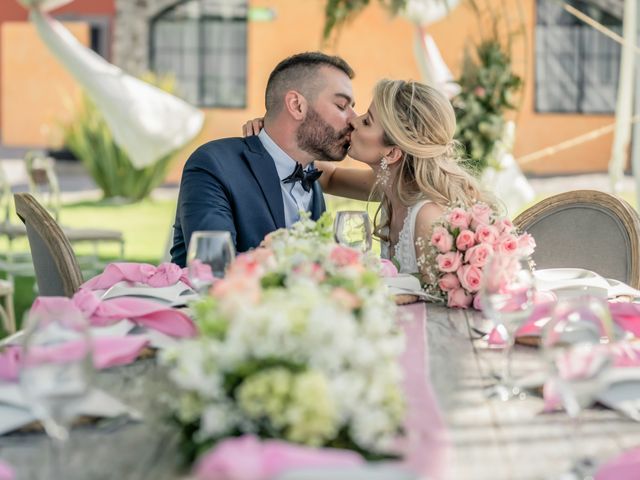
x,y
107,352
161,276
147,313
571,282
625,466
15,413
247,457
405,284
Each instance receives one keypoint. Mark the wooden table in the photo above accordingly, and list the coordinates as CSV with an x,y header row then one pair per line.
x,y
481,439
491,440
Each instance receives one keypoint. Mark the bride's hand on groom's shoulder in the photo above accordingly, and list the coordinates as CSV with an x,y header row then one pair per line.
x,y
253,127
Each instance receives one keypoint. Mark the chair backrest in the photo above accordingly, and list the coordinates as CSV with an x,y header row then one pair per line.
x,y
55,264
43,181
586,229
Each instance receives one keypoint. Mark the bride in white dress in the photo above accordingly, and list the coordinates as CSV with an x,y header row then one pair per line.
x,y
406,137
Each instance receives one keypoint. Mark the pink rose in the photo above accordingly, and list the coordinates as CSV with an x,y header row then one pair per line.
x,y
449,262
448,282
459,218
441,239
504,225
387,268
477,301
478,256
345,298
507,243
526,244
486,234
458,298
480,214
465,240
470,278
343,256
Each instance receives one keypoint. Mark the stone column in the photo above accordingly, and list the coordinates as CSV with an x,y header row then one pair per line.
x,y
131,33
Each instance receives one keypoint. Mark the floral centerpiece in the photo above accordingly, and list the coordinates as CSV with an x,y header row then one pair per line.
x,y
460,246
298,342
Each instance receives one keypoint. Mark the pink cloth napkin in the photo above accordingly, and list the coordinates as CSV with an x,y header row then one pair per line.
x,y
625,466
107,352
6,472
583,364
248,458
161,276
106,312
388,269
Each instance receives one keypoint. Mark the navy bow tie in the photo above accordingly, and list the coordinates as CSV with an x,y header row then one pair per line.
x,y
306,179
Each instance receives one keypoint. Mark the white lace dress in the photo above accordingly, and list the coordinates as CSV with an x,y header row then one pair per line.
x,y
405,251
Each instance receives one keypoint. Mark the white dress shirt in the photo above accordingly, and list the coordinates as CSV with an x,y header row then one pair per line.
x,y
294,196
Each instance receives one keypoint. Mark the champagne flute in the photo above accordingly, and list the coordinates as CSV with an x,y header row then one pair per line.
x,y
575,343
56,372
506,297
352,228
209,254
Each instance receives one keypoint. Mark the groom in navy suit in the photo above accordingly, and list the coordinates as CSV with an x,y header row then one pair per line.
x,y
254,185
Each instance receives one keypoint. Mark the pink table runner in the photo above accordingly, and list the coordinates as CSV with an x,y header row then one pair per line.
x,y
427,445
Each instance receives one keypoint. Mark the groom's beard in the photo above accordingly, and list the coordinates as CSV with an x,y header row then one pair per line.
x,y
317,137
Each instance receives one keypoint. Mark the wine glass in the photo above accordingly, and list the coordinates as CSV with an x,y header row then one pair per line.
x,y
209,254
575,343
352,228
56,372
506,297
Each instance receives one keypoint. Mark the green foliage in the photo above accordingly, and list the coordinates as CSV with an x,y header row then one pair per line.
x,y
338,12
91,141
488,90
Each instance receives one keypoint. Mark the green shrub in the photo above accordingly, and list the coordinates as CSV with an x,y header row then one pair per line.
x,y
488,87
91,141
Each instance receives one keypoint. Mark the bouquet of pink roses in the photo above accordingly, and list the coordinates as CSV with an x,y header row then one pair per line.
x,y
460,246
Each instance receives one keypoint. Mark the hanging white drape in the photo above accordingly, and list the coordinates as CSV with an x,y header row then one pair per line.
x,y
145,121
624,105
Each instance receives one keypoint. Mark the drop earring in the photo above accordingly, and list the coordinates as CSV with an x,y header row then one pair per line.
x,y
383,174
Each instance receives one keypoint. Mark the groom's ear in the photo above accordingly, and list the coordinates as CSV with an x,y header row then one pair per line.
x,y
394,155
296,104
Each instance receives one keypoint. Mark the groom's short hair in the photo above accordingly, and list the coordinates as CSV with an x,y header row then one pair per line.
x,y
298,72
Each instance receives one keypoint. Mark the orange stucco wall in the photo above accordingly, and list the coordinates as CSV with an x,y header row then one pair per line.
x,y
378,46
535,131
373,43
37,93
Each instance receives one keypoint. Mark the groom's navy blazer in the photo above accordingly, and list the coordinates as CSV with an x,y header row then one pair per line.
x,y
231,184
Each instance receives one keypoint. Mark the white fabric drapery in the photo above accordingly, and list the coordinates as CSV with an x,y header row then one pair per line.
x,y
145,121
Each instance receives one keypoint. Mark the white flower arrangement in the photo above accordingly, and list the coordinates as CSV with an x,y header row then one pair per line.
x,y
299,342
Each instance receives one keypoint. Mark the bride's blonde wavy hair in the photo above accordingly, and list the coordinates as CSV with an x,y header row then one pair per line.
x,y
420,121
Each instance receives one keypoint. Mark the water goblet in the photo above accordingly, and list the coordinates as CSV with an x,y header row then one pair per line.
x,y
209,254
352,228
56,371
576,344
506,297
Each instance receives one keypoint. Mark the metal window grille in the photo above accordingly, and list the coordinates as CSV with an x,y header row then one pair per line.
x,y
203,43
577,67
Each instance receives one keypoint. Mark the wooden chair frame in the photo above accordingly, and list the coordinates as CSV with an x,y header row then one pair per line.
x,y
614,205
39,222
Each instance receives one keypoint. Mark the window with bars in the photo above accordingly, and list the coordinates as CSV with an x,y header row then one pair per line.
x,y
577,67
203,43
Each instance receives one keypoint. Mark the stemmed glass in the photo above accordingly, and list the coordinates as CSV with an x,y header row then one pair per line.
x,y
56,372
575,343
352,228
506,296
209,254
